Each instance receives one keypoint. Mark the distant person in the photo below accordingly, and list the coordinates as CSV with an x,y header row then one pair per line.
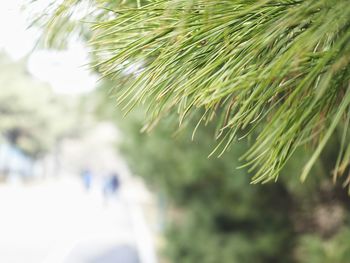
x,y
86,176
111,185
114,183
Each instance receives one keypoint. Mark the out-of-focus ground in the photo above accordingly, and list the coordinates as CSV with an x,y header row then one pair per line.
x,y
58,221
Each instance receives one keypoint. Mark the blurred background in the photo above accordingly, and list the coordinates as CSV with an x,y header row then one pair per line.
x,y
66,194
80,183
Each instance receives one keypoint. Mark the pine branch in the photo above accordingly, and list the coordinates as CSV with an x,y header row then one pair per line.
x,y
277,68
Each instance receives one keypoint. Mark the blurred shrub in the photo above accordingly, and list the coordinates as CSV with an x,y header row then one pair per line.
x,y
312,248
213,212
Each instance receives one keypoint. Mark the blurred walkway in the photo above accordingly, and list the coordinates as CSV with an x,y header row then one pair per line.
x,y
57,221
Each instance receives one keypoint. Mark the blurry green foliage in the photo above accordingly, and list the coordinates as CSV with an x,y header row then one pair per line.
x,y
335,250
222,218
213,212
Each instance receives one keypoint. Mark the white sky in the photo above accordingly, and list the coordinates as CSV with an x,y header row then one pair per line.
x,y
65,71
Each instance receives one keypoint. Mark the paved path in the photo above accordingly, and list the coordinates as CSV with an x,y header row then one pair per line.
x,y
57,222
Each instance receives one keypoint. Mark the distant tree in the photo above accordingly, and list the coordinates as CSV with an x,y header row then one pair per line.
x,y
32,117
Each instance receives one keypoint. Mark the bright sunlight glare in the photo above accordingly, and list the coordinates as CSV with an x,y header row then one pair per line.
x,y
66,71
